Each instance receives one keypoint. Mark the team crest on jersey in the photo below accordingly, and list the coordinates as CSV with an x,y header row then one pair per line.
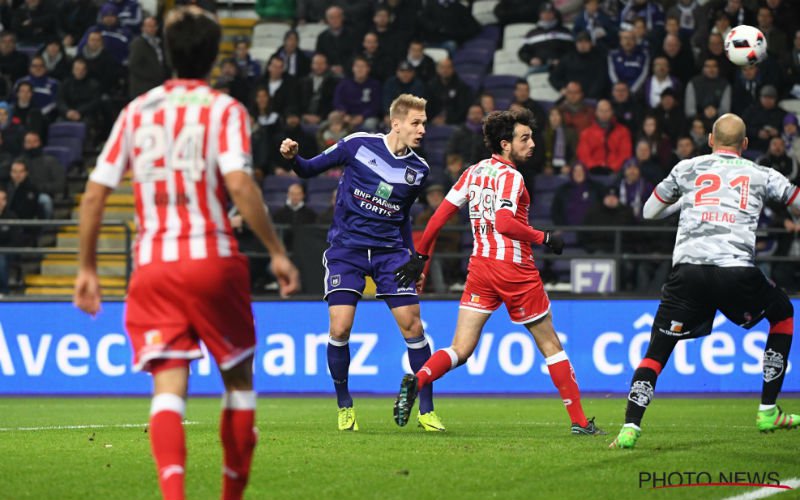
x,y
336,280
384,190
773,365
411,175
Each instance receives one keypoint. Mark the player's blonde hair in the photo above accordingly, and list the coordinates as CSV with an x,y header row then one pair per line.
x,y
404,102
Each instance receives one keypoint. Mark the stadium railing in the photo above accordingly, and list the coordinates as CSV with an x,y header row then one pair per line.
x,y
542,256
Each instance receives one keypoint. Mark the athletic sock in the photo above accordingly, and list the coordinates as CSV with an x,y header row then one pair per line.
x,y
776,356
419,351
238,433
168,443
564,379
643,386
339,365
437,365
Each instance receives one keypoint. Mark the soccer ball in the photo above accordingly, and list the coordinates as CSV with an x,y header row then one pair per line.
x,y
745,45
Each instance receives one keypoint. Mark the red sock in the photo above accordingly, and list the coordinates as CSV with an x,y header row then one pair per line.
x,y
564,379
437,365
238,433
168,443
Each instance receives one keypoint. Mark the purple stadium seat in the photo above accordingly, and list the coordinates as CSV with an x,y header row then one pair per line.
x,y
473,56
73,144
62,154
471,79
480,44
498,82
490,32
542,204
502,103
548,183
322,185
278,184
67,129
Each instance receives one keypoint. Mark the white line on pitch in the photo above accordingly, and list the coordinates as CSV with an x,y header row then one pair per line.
x,y
766,492
87,426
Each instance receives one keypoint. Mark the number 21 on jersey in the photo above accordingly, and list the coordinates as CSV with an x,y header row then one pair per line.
x,y
155,157
710,184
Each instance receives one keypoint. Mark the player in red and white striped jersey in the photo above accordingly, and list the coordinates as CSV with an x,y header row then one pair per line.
x,y
501,268
188,148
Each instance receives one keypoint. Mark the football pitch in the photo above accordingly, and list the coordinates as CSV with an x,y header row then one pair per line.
x,y
507,448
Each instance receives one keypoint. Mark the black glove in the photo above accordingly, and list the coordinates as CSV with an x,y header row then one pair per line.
x,y
554,242
409,272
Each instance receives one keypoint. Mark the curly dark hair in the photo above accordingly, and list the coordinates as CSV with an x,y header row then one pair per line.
x,y
191,39
499,126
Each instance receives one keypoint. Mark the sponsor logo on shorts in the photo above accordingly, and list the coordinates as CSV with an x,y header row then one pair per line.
x,y
407,289
475,298
675,329
641,393
384,190
773,365
336,280
153,337
411,175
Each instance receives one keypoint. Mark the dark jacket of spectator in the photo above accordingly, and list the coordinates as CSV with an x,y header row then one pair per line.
x,y
782,163
546,44
589,69
338,48
45,173
34,24
452,98
516,11
443,20
297,65
631,68
23,199
286,98
29,118
600,26
146,65
81,95
14,65
58,66
467,141
130,15
105,69
355,98
605,215
75,17
316,94
758,117
394,87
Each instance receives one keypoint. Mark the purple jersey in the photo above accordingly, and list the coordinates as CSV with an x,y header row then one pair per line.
x,y
375,192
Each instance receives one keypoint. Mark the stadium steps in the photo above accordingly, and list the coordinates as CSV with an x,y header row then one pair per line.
x,y
38,284
56,272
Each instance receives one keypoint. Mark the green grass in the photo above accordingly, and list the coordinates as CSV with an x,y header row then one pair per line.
x,y
493,448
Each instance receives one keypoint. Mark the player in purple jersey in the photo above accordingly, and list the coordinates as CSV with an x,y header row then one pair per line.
x,y
371,236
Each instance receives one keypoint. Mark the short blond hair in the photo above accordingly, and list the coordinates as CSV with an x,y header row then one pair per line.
x,y
404,102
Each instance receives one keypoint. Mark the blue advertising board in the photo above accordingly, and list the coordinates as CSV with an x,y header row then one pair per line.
x,y
52,348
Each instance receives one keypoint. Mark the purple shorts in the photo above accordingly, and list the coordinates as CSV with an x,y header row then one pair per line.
x,y
346,269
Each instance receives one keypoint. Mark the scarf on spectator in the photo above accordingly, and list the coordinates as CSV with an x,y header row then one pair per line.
x,y
579,202
556,155
686,13
632,195
51,62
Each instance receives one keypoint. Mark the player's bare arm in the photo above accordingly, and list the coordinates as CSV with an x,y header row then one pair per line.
x,y
248,200
87,293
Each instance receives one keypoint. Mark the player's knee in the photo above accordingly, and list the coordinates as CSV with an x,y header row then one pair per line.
x,y
340,332
412,327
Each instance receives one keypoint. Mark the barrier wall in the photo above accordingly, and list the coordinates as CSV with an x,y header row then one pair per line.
x,y
52,348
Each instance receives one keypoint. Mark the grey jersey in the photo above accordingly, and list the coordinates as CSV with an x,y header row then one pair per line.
x,y
721,198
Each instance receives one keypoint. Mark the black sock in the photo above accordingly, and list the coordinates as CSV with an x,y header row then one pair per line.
x,y
776,355
643,386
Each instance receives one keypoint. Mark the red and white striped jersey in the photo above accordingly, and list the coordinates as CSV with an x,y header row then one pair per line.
x,y
488,186
179,139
